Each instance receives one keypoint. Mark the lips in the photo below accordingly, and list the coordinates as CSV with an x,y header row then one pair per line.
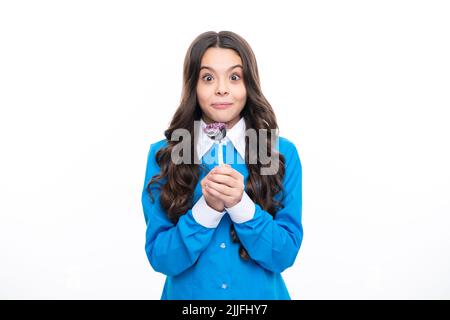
x,y
221,105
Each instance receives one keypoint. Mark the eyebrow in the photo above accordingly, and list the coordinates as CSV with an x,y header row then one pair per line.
x,y
230,68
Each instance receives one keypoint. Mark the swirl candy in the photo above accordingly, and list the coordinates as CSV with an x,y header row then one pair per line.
x,y
216,130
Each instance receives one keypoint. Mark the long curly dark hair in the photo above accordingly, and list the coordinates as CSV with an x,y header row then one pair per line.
x,y
178,181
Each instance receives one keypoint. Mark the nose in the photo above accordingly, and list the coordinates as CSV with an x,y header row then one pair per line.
x,y
222,88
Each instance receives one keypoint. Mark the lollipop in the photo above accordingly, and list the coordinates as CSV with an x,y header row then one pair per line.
x,y
217,131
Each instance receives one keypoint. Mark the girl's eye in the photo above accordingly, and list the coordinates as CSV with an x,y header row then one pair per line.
x,y
235,75
206,77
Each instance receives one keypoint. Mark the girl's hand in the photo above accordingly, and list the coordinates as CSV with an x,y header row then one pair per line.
x,y
211,200
225,184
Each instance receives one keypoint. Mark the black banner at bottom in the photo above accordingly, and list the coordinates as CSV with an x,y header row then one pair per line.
x,y
222,309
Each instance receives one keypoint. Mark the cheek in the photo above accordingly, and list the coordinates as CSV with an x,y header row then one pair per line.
x,y
241,93
203,93
200,96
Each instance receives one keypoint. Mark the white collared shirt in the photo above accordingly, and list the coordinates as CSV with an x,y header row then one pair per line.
x,y
242,211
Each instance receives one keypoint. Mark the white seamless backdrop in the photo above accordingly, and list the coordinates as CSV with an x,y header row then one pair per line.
x,y
361,88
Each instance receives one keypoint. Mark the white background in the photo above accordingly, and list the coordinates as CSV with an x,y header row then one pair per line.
x,y
361,87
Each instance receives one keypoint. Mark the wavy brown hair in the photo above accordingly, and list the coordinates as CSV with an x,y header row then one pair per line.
x,y
177,182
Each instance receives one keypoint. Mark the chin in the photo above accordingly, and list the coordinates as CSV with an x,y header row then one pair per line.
x,y
227,120
221,118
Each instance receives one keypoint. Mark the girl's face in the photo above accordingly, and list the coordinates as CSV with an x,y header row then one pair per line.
x,y
221,91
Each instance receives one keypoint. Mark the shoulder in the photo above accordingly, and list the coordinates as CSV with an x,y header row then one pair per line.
x,y
293,165
152,150
291,156
158,145
286,147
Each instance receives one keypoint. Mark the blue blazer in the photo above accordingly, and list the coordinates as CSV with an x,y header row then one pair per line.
x,y
203,263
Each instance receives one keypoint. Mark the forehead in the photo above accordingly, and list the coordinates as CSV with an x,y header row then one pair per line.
x,y
220,58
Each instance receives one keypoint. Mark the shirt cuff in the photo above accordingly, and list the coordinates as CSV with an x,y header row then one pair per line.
x,y
243,211
205,215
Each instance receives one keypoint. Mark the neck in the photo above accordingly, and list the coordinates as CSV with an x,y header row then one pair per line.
x,y
230,124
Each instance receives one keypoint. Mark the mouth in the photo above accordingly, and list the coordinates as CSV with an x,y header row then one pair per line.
x,y
222,105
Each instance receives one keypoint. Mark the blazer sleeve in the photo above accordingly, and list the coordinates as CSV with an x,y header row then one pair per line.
x,y
170,248
275,242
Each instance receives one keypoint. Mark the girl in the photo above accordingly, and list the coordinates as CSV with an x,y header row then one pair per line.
x,y
228,231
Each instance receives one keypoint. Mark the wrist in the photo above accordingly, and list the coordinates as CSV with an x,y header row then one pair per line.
x,y
215,207
232,204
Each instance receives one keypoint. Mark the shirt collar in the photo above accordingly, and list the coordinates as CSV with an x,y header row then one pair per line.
x,y
236,135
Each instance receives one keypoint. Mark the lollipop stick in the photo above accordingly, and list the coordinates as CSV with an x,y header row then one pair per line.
x,y
220,154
